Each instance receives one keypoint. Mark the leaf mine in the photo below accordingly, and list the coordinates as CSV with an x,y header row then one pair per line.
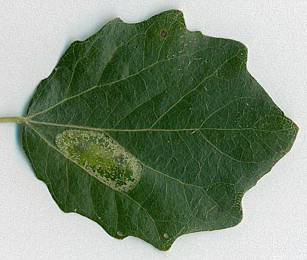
x,y
101,157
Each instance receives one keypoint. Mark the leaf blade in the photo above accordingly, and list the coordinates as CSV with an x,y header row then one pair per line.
x,y
182,103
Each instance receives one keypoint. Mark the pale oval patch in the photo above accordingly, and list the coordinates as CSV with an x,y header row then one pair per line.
x,y
101,157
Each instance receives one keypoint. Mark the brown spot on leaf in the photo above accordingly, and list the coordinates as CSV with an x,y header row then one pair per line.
x,y
120,234
163,33
166,235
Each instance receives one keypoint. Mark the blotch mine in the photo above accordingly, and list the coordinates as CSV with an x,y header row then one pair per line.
x,y
101,157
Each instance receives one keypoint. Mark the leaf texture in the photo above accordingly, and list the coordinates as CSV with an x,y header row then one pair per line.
x,y
179,105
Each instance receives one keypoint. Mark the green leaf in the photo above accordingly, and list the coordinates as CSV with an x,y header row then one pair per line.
x,y
153,131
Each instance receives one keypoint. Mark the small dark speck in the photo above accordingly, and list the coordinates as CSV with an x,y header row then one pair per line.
x,y
163,33
220,210
119,158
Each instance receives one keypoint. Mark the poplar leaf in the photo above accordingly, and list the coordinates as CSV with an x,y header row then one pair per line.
x,y
153,131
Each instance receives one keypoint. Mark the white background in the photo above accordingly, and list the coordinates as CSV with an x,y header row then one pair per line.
x,y
33,36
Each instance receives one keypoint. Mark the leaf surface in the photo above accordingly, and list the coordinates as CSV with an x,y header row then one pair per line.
x,y
154,131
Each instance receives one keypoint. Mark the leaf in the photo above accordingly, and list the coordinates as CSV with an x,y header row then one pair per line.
x,y
153,131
